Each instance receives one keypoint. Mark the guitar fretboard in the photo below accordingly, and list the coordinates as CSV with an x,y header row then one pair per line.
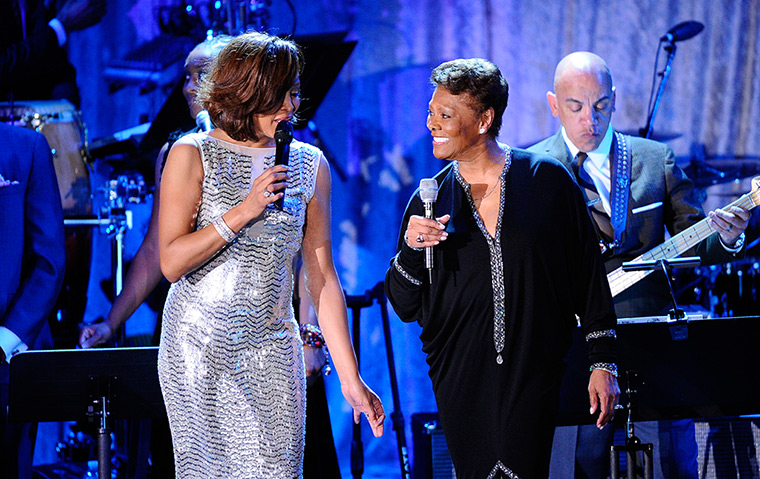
x,y
621,280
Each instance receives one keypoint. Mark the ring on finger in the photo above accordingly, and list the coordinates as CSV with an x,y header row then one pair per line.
x,y
730,227
267,193
420,239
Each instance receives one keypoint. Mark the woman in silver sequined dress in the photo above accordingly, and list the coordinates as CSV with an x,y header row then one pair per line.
x,y
231,357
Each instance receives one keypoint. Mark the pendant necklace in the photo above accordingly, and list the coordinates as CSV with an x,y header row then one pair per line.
x,y
489,191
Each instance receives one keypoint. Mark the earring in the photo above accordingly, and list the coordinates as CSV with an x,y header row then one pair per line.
x,y
482,130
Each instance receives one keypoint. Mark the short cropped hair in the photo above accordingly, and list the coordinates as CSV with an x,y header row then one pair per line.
x,y
481,80
250,76
213,45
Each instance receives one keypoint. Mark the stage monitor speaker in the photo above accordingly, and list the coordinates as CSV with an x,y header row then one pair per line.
x,y
431,455
728,447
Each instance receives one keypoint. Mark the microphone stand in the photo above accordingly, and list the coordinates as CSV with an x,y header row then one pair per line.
x,y
356,303
646,132
116,224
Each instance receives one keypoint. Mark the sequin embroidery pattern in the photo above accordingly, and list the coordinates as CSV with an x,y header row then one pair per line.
x,y
231,358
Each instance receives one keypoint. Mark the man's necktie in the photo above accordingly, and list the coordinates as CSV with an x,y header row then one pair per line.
x,y
593,201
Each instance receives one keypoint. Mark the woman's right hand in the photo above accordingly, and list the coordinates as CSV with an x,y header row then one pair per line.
x,y
267,188
422,232
364,400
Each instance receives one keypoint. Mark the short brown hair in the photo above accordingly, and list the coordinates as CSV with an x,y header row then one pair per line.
x,y
250,76
481,80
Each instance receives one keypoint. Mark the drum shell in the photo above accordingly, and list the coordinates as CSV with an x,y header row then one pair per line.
x,y
65,137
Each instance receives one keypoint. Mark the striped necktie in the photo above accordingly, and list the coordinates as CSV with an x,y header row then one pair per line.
x,y
593,201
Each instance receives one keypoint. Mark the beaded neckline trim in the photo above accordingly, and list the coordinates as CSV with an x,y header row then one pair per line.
x,y
494,249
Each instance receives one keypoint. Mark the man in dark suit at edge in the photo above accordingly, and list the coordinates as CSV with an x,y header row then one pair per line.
x,y
634,190
32,262
33,35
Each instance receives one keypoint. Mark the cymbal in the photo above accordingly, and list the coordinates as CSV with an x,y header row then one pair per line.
x,y
718,170
656,135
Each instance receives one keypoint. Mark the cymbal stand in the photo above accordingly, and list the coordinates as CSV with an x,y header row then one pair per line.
x,y
115,225
356,303
632,444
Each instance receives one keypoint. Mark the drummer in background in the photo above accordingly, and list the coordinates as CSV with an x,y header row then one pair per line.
x,y
661,196
144,273
33,63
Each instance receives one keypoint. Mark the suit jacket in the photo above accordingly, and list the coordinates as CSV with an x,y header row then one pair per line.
x,y
656,183
32,65
33,256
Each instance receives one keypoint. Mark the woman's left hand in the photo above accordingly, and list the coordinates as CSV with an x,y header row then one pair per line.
x,y
364,400
604,394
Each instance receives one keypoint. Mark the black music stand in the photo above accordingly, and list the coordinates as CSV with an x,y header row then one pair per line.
x,y
677,319
633,445
97,384
355,304
670,377
678,325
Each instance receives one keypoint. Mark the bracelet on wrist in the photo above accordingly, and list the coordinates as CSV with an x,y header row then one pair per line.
x,y
609,367
224,231
311,335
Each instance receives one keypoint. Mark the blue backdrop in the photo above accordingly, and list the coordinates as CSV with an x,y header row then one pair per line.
x,y
373,118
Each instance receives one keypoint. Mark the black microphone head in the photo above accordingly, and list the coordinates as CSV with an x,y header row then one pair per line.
x,y
683,31
284,133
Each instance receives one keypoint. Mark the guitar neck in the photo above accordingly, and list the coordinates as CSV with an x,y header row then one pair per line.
x,y
621,280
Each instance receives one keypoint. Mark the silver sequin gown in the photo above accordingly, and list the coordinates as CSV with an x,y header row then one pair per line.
x,y
230,362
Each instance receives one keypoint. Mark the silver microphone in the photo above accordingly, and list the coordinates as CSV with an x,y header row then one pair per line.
x,y
203,120
428,195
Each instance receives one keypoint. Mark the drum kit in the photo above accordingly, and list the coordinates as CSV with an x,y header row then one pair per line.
x,y
66,134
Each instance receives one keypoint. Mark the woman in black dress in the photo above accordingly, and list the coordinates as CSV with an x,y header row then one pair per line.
x,y
515,261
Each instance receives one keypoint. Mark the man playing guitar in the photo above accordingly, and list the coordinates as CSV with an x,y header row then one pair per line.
x,y
634,192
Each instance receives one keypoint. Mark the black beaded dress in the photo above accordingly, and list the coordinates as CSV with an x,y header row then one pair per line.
x,y
498,316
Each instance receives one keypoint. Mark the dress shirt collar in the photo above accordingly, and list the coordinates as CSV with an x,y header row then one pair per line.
x,y
598,156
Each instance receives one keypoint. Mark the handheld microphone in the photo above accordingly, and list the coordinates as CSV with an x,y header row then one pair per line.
x,y
428,195
283,135
682,31
203,120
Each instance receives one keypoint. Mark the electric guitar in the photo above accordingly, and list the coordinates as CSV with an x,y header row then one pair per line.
x,y
621,280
